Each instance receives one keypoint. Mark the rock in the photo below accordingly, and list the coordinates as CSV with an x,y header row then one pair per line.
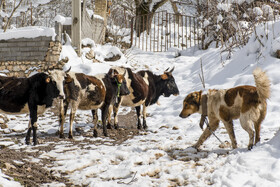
x,y
113,58
7,131
9,166
90,55
4,126
175,128
179,138
278,53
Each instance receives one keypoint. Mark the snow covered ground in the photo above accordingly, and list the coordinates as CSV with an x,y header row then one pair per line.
x,y
163,156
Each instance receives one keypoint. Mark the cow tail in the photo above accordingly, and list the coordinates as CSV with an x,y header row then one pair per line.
x,y
262,84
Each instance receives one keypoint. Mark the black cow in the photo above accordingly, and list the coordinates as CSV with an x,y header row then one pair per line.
x,y
90,93
145,89
27,95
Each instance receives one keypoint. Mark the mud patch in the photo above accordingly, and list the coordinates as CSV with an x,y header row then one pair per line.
x,y
14,164
27,167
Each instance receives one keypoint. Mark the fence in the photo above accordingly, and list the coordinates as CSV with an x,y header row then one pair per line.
x,y
162,30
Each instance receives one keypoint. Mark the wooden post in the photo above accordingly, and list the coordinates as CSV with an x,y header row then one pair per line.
x,y
76,25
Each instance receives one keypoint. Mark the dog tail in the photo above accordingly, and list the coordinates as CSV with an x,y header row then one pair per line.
x,y
262,83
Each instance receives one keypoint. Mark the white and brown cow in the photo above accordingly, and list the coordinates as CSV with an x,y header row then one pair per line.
x,y
145,89
91,93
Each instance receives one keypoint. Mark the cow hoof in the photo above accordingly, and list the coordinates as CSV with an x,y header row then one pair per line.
x,y
61,136
35,143
95,134
116,126
109,126
105,134
250,147
70,136
139,127
27,142
145,126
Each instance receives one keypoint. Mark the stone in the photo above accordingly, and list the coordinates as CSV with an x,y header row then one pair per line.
x,y
4,126
9,166
278,53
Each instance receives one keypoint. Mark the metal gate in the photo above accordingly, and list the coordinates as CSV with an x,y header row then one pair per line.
x,y
162,30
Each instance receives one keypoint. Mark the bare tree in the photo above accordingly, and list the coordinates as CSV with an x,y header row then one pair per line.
x,y
11,16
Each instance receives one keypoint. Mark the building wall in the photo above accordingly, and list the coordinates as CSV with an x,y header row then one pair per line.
x,y
94,28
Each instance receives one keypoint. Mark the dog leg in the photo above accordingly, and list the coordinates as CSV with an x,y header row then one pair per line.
x,y
257,124
213,125
230,131
247,125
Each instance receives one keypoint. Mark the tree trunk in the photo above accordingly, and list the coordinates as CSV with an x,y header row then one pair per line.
x,y
144,15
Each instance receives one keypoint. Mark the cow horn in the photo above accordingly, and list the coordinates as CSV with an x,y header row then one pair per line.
x,y
48,70
166,70
172,70
67,71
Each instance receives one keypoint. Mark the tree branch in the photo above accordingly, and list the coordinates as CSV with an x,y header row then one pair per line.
x,y
159,4
10,18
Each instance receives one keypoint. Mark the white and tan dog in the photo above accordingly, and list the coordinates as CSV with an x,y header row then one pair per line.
x,y
246,103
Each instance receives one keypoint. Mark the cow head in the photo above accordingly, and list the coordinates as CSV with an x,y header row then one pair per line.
x,y
120,80
59,78
169,85
50,90
191,104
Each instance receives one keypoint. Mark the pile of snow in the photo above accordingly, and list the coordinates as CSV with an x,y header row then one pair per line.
x,y
63,20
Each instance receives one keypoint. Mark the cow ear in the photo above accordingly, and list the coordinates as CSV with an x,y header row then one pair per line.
x,y
68,79
48,80
164,76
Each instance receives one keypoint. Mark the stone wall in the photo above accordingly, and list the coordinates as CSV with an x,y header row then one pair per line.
x,y
22,56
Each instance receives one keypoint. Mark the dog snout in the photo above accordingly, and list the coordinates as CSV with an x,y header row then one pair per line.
x,y
181,115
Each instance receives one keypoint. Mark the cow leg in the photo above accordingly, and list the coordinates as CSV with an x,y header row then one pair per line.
x,y
116,109
63,110
139,126
94,121
34,128
110,110
104,112
33,119
27,139
144,116
213,125
72,116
